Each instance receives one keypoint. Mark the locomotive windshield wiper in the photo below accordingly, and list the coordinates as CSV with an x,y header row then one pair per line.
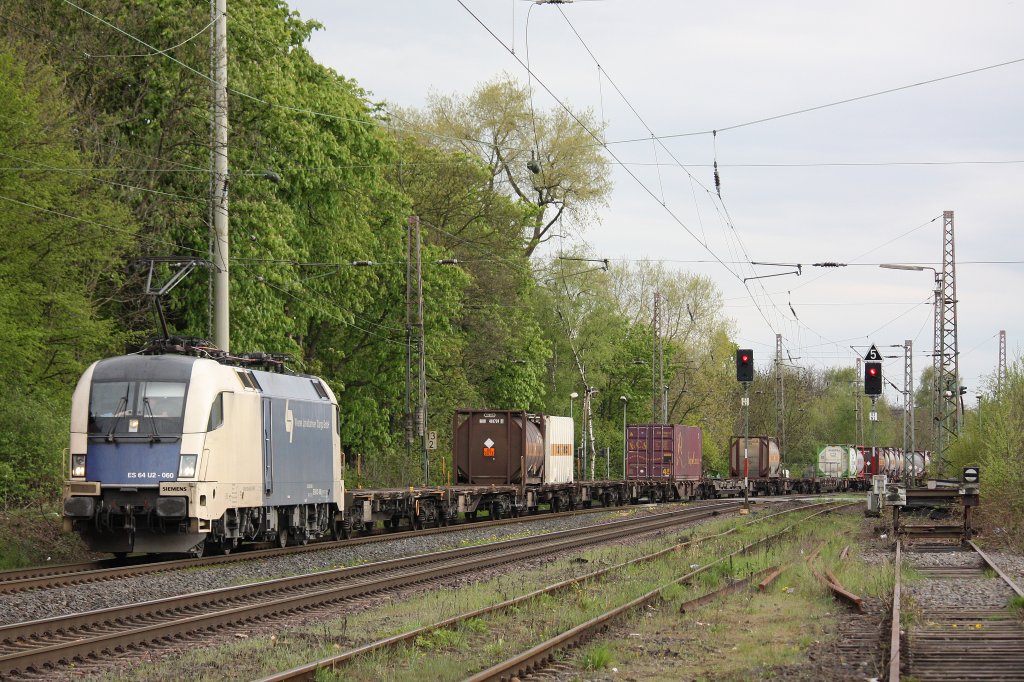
x,y
118,413
155,436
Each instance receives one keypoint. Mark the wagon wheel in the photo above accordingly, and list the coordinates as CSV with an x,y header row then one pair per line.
x,y
282,537
338,530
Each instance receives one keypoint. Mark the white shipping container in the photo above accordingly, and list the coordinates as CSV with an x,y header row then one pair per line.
x,y
559,442
856,462
830,461
920,462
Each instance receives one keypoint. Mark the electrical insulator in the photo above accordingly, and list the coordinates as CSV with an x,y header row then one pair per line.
x,y
419,421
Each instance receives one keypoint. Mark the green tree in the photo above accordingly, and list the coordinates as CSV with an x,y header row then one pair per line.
x,y
546,159
993,439
64,241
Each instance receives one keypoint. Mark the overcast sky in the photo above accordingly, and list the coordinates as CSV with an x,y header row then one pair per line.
x,y
693,67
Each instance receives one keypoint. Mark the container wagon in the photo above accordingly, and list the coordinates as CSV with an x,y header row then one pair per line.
x,y
839,469
665,462
762,467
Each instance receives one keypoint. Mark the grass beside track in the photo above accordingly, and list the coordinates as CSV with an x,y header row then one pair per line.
x,y
452,653
36,537
749,635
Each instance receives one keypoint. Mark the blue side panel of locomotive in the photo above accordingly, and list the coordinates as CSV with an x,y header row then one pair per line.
x,y
297,440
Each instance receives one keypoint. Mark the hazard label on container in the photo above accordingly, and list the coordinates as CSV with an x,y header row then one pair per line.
x,y
488,452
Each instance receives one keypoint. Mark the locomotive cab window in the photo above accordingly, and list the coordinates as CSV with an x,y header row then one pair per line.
x,y
216,413
164,398
133,409
109,399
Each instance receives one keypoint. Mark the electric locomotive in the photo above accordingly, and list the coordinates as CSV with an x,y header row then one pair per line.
x,y
195,450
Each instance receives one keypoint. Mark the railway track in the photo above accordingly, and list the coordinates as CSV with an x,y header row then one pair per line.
x,y
536,657
63,575
968,638
39,646
540,656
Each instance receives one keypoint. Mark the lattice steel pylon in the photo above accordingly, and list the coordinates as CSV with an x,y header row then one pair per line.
x,y
948,415
657,363
908,407
1001,368
857,400
780,397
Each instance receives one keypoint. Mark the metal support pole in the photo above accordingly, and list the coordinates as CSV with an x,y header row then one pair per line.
x,y
780,397
219,197
858,405
656,382
423,421
874,420
908,409
1001,367
583,423
625,403
590,433
746,442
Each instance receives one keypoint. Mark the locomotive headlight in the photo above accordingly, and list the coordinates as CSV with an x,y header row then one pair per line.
x,y
187,466
77,466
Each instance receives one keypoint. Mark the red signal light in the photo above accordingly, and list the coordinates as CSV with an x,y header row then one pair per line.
x,y
744,365
873,378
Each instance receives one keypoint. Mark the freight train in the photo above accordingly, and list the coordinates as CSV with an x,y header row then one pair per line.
x,y
860,462
759,460
185,449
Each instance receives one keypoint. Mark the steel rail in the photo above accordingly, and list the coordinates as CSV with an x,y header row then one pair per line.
x,y
962,641
308,671
992,564
65,575
173,617
539,655
894,636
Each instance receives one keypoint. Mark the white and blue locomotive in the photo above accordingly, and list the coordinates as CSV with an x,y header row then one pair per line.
x,y
178,453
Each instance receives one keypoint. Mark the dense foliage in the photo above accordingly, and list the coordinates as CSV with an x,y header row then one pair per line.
x,y
105,134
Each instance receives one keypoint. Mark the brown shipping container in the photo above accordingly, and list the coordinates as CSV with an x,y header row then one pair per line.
x,y
491,447
762,455
663,452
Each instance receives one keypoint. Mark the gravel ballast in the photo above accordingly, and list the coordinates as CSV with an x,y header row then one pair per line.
x,y
40,604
